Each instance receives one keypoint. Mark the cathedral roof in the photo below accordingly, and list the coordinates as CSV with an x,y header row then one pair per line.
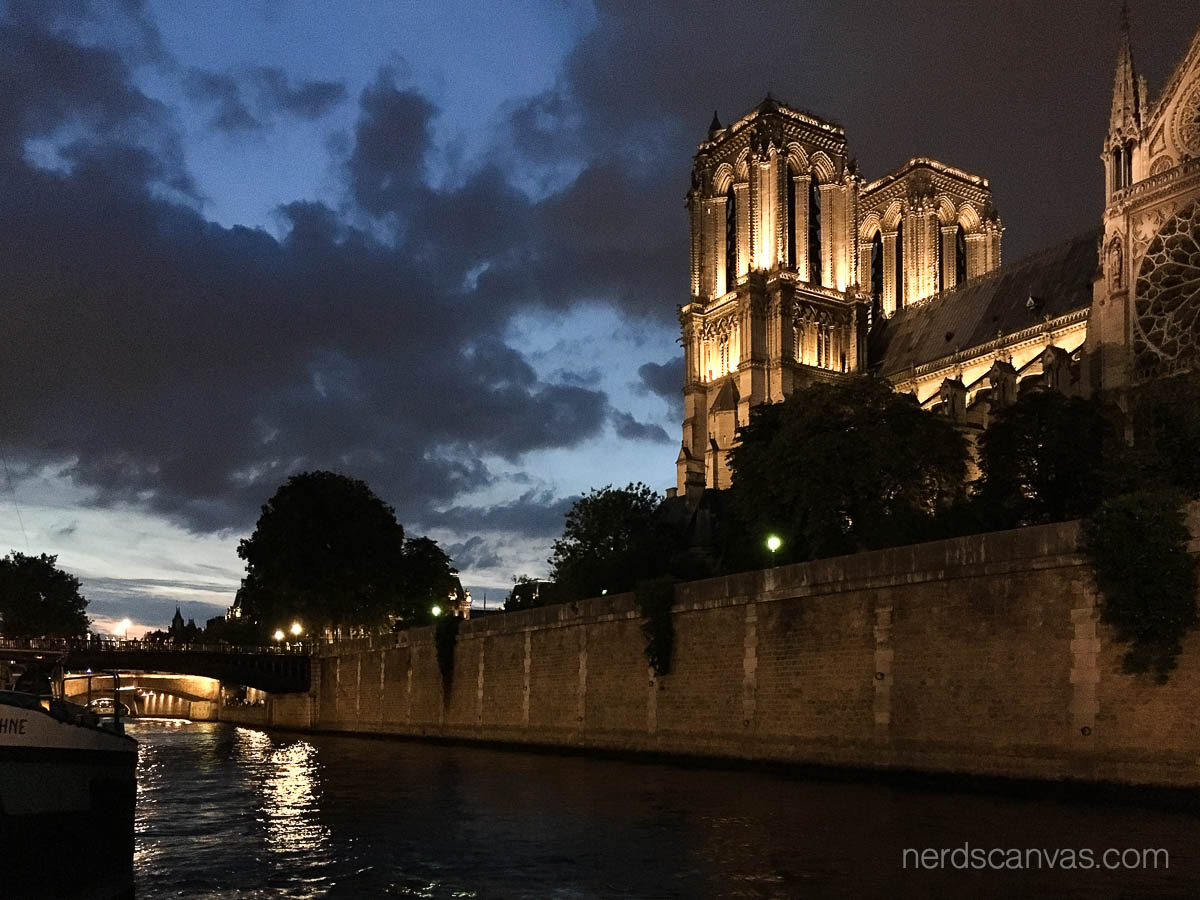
x,y
1046,285
727,398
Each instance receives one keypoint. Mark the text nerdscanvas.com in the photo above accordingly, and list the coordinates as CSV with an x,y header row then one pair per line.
x,y
968,857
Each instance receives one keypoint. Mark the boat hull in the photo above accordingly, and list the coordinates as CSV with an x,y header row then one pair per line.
x,y
67,798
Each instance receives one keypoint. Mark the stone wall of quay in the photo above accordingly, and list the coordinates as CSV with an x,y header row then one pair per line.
x,y
977,656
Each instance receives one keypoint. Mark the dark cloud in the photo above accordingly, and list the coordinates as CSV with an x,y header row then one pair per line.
x,y
641,85
665,380
536,513
190,368
474,553
55,89
631,429
220,90
387,167
265,88
308,100
582,378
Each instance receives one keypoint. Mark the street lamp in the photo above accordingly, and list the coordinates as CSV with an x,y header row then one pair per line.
x,y
436,610
296,629
773,544
279,634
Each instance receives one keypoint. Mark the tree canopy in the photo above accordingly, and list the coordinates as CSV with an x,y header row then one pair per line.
x,y
329,553
429,579
842,467
1048,458
39,599
1138,544
529,592
613,537
1166,427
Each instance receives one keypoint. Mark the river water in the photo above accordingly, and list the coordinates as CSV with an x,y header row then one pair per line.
x,y
234,812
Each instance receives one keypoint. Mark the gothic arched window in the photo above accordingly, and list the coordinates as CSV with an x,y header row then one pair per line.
x,y
960,256
814,233
730,240
900,265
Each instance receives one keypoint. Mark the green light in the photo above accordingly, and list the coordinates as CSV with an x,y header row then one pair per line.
x,y
437,610
774,543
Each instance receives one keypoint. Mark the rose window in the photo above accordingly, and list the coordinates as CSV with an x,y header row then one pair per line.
x,y
1167,308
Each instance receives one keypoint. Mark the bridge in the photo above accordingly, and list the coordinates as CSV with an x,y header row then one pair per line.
x,y
284,669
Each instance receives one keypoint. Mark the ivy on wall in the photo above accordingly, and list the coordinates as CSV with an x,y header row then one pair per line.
x,y
1137,543
654,599
445,639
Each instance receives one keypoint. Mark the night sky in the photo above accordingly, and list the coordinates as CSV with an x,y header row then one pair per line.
x,y
435,246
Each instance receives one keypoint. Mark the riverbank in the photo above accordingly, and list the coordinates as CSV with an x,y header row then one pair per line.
x,y
975,657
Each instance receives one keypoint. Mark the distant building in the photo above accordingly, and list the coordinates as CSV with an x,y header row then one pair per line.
x,y
802,271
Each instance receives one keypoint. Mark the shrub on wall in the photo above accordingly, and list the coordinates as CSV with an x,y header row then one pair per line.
x,y
654,599
1138,545
445,637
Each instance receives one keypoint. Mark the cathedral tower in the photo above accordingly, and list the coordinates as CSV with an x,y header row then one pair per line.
x,y
1145,318
793,258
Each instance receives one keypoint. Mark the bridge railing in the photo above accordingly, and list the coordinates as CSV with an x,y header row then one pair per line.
x,y
79,645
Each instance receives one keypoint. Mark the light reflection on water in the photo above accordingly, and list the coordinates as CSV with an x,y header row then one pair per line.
x,y
235,812
288,790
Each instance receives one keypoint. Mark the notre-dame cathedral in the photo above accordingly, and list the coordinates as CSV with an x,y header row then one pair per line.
x,y
802,271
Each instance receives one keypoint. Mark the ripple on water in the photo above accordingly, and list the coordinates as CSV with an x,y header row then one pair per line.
x,y
237,813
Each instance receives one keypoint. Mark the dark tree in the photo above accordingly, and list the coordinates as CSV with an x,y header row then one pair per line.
x,y
528,592
613,538
1138,544
1048,458
1166,429
841,467
39,599
429,580
326,552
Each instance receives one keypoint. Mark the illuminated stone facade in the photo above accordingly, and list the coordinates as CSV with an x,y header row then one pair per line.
x,y
801,271
1146,313
794,256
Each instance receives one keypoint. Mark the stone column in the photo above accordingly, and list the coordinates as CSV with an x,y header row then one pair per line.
x,y
976,254
743,195
782,178
695,220
920,252
890,286
714,248
993,230
829,241
800,185
864,266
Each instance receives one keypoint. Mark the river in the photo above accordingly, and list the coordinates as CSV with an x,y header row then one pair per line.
x,y
235,812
